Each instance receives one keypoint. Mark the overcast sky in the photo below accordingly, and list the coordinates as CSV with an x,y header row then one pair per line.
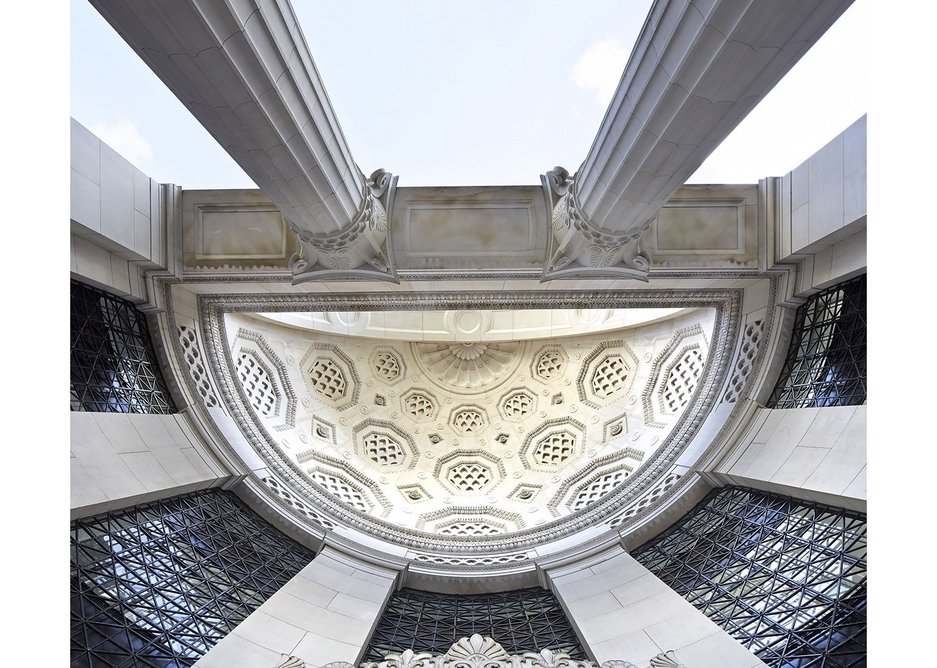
x,y
481,93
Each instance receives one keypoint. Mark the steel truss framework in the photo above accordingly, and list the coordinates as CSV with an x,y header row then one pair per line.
x,y
113,366
784,577
160,584
523,620
826,363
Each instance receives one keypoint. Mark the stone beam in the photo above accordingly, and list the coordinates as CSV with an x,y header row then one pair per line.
x,y
697,69
245,72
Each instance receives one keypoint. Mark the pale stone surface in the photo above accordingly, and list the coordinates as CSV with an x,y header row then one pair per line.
x,y
814,453
317,650
647,617
269,632
410,428
328,606
119,229
234,228
238,652
472,325
478,228
825,190
712,226
823,204
120,459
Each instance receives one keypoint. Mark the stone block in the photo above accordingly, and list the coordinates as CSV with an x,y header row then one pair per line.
x,y
827,425
718,650
270,632
317,650
801,464
234,650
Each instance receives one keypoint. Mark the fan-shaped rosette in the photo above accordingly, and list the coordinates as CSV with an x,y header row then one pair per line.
x,y
476,652
468,365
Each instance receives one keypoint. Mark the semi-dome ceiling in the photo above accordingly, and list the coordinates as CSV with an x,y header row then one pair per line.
x,y
468,437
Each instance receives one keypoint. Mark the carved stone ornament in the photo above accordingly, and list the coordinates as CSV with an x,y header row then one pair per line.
x,y
666,660
288,661
576,248
361,250
468,366
483,652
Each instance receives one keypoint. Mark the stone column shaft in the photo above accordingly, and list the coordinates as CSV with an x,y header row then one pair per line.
x,y
244,71
698,68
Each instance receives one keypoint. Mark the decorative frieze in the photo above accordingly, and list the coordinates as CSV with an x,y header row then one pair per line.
x,y
465,521
480,651
532,450
744,360
193,358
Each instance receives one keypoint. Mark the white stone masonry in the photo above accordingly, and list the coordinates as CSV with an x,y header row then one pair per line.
x,y
622,610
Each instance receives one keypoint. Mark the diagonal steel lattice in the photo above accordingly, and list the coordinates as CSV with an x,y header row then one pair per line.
x,y
523,620
784,577
826,362
160,584
113,366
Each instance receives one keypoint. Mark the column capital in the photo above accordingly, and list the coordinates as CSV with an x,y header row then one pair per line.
x,y
360,250
577,248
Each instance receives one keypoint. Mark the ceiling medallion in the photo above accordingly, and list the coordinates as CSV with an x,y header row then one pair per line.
x,y
468,367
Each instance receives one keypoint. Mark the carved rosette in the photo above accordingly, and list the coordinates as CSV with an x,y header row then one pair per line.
x,y
362,249
577,249
468,367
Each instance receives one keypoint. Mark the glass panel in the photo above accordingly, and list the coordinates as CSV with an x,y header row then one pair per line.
x,y
825,363
160,584
524,620
113,366
784,577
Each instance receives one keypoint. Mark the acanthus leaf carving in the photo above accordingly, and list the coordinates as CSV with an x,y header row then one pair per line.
x,y
617,663
547,658
577,248
480,651
666,660
476,652
362,249
408,659
289,661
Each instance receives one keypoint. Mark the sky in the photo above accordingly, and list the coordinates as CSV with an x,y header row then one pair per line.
x,y
481,93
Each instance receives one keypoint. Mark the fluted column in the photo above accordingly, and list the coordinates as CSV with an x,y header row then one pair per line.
x,y
245,72
698,68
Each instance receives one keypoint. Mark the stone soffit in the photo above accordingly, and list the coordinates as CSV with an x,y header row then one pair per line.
x,y
504,531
